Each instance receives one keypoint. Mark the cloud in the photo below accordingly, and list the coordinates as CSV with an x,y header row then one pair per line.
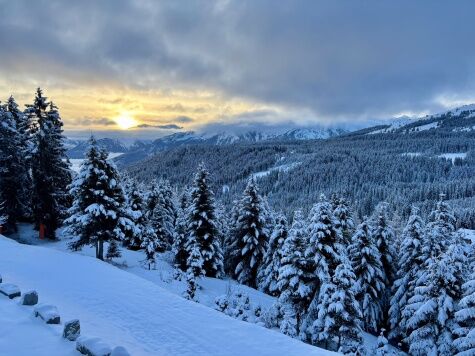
x,y
87,121
340,60
184,119
163,127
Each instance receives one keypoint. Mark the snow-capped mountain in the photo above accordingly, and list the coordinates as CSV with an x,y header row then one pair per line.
x,y
77,148
142,149
455,120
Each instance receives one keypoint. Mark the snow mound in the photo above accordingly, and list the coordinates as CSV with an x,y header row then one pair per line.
x,y
124,309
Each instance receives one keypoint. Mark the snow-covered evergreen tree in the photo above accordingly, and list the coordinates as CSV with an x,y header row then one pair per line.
x,y
369,282
179,243
150,245
465,316
136,204
409,270
23,155
99,212
195,263
325,248
10,167
202,226
295,277
269,271
383,235
430,312
250,235
338,323
440,231
50,166
344,218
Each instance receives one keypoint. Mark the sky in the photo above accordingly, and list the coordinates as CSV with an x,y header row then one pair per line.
x,y
164,65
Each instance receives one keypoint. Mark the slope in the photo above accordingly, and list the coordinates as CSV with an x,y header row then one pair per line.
x,y
126,310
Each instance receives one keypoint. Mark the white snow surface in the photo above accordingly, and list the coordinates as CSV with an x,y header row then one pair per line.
x,y
453,156
122,308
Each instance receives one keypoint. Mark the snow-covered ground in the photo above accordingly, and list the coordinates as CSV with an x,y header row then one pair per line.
x,y
281,168
126,305
453,156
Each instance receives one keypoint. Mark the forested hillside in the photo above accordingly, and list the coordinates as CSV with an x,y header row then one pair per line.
x,y
398,167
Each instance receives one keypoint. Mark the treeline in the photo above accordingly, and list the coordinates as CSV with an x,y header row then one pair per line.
x,y
34,169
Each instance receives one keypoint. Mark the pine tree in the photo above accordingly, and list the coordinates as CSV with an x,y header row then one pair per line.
x,y
338,323
195,263
344,218
383,235
202,226
113,250
10,167
150,245
368,269
136,205
250,235
325,246
99,211
295,277
430,313
179,243
23,155
440,231
269,270
50,166
409,269
465,317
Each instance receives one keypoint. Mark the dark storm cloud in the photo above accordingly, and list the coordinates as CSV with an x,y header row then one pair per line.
x,y
339,59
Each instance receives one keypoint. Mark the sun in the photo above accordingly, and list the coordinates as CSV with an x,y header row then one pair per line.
x,y
125,121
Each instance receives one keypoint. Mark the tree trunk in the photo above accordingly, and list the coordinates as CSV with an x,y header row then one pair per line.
x,y
101,250
97,249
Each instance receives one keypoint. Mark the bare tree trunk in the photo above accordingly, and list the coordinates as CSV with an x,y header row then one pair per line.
x,y
101,250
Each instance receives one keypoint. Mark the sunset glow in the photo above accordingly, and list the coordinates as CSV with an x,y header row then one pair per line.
x,y
125,121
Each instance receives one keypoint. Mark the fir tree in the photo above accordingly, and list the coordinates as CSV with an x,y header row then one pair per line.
x,y
195,263
295,277
325,246
150,245
99,212
113,250
250,235
465,317
440,231
179,243
409,269
136,204
368,269
50,166
430,313
338,323
23,155
384,238
344,219
10,166
202,226
269,270
383,235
